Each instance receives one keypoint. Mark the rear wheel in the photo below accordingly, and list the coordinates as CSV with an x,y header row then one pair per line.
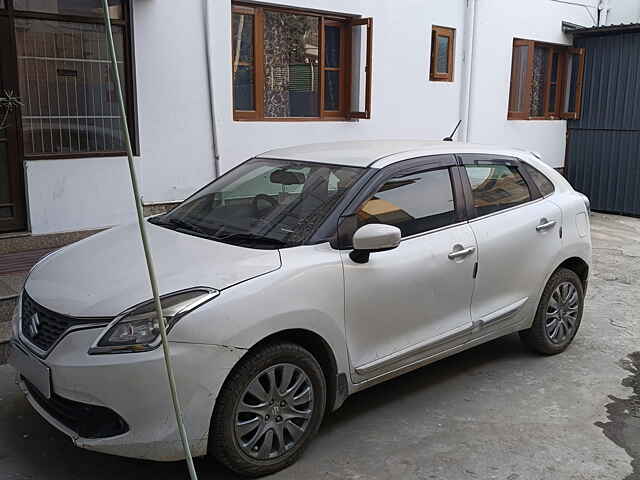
x,y
559,314
268,411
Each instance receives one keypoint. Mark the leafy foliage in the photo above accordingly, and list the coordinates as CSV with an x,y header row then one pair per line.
x,y
9,103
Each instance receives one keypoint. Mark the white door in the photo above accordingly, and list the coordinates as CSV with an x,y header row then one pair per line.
x,y
518,235
402,298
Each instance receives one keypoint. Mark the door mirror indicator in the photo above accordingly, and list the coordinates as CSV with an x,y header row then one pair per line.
x,y
375,237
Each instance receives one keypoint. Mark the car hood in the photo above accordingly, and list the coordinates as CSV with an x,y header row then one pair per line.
x,y
105,274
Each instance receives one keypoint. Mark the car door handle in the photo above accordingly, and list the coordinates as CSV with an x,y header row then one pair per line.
x,y
545,225
461,252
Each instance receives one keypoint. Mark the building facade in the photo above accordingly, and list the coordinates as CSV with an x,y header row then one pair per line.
x,y
209,84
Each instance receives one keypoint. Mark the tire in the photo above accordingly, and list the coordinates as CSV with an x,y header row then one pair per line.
x,y
283,425
559,311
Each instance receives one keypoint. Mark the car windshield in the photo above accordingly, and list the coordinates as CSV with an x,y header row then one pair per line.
x,y
263,203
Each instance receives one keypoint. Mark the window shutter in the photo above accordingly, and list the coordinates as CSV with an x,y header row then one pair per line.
x,y
521,79
573,79
365,110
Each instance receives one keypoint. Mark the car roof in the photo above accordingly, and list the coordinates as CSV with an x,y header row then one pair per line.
x,y
380,153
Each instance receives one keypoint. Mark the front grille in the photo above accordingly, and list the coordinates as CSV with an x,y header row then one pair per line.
x,y
88,421
43,328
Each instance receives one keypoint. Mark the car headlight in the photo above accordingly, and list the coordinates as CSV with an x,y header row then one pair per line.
x,y
138,329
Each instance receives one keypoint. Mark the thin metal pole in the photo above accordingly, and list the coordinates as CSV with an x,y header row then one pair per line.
x,y
145,245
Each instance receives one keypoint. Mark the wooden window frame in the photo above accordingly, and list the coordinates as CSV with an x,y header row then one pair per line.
x,y
129,80
557,113
346,24
580,52
450,33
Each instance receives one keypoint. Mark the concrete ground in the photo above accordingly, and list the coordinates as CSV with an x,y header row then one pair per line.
x,y
494,412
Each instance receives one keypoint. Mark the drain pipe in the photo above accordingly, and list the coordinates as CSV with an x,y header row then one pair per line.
x,y
470,27
206,14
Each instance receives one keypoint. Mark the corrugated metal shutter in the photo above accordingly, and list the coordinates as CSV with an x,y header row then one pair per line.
x,y
603,149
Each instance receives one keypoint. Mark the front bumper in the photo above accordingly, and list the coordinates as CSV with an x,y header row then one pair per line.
x,y
134,387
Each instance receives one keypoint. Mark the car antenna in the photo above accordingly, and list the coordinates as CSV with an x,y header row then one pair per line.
x,y
450,137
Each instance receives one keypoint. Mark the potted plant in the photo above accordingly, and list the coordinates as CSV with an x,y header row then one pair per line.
x,y
9,103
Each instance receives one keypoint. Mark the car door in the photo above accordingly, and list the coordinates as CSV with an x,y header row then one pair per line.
x,y
405,302
518,235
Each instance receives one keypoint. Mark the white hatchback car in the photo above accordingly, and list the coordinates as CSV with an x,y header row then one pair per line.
x,y
298,278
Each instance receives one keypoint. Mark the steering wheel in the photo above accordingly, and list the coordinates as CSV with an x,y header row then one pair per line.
x,y
267,198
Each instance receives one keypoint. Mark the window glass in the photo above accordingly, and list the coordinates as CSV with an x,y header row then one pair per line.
x,y
332,64
87,8
518,94
414,203
70,102
540,61
282,71
496,187
243,62
571,82
542,182
442,61
546,81
553,84
332,47
5,194
291,71
264,203
332,90
442,54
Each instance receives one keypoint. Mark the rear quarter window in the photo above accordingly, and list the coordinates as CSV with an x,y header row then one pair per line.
x,y
542,182
496,187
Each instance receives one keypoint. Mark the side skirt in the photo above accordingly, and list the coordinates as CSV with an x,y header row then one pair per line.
x,y
452,347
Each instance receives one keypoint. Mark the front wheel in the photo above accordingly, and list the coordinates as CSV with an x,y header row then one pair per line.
x,y
268,410
559,314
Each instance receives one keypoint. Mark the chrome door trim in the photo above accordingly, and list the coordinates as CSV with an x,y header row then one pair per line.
x,y
503,330
500,315
515,207
435,230
413,350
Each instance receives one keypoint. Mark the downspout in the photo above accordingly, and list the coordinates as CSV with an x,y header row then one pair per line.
x,y
470,27
212,110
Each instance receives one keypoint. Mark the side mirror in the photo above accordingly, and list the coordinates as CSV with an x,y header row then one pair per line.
x,y
375,237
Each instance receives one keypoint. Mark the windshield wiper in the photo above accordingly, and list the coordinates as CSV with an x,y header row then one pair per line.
x,y
180,224
251,238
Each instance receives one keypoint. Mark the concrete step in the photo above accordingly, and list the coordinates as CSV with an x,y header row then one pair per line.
x,y
7,306
10,288
25,242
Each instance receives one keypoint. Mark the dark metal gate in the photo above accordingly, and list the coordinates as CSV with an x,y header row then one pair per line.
x,y
603,146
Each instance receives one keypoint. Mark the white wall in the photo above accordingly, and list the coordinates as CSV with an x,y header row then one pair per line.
x,y
499,22
623,11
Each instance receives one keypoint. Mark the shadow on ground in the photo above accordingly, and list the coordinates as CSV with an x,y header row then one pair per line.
x,y
51,454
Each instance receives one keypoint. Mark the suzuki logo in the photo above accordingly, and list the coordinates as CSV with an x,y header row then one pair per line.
x,y
34,325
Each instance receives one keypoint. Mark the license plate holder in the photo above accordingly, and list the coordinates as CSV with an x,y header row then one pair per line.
x,y
32,369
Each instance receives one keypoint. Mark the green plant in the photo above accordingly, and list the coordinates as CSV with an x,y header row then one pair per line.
x,y
9,102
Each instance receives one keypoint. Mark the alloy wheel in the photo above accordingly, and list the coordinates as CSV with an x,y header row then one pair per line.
x,y
274,411
562,311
